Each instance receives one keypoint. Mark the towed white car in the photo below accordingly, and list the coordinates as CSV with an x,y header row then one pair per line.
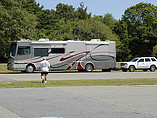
x,y
140,63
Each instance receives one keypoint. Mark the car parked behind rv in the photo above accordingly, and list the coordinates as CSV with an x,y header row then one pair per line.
x,y
140,63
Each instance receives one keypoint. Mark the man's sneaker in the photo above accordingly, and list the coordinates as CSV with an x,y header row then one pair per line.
x,y
42,80
45,81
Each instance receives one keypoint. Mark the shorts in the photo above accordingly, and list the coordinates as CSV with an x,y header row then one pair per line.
x,y
44,73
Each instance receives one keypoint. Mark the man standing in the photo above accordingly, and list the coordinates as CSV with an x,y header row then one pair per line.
x,y
45,68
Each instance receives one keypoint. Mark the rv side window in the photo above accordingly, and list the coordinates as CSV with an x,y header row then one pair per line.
x,y
57,50
23,50
40,52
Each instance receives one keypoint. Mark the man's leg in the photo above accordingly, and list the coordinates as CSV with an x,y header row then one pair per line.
x,y
42,77
45,78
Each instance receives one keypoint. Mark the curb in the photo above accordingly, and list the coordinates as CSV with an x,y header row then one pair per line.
x,y
5,113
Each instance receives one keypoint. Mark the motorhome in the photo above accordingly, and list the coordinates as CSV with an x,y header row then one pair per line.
x,y
26,55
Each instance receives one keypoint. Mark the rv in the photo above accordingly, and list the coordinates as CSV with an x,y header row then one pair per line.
x,y
26,55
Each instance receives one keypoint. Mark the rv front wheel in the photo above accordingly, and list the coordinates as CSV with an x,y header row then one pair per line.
x,y
30,69
89,68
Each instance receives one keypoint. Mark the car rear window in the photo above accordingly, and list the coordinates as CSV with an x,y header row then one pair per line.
x,y
147,60
141,60
153,59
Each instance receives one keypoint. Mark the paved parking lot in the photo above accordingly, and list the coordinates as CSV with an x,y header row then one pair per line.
x,y
81,102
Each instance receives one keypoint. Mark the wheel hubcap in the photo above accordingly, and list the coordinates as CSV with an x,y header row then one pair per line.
x,y
30,69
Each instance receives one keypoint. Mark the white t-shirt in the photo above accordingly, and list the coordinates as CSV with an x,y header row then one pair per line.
x,y
44,65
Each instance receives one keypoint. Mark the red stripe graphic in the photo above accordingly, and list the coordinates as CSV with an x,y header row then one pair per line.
x,y
77,59
63,59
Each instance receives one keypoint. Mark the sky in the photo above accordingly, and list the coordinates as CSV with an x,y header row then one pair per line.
x,y
98,7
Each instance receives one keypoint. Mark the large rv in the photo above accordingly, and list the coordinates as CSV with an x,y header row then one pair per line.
x,y
26,55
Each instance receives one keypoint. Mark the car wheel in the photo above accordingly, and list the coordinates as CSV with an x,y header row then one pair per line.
x,y
131,68
30,69
89,68
152,68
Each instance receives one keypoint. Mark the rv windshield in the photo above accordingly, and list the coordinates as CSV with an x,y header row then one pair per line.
x,y
12,49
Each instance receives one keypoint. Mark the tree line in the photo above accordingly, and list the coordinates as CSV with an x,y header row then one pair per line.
x,y
135,34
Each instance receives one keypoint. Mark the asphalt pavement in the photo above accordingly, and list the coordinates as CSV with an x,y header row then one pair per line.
x,y
80,102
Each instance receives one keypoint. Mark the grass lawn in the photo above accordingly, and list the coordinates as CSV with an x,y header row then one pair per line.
x,y
55,83
96,82
3,69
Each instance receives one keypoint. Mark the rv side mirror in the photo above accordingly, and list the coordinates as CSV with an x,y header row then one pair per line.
x,y
49,51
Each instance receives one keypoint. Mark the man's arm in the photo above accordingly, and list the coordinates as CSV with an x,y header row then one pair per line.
x,y
49,65
40,67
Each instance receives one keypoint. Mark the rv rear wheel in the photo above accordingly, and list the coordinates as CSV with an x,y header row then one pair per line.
x,y
30,69
89,68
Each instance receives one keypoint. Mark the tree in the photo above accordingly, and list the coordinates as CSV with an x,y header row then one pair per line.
x,y
141,23
122,31
82,12
32,7
83,30
109,20
91,29
47,19
154,52
65,11
15,23
46,23
63,30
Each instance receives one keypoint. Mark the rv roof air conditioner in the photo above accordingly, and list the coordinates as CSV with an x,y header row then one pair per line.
x,y
94,40
24,40
42,40
53,39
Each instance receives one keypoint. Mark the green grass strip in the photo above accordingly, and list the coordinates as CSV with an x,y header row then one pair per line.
x,y
61,83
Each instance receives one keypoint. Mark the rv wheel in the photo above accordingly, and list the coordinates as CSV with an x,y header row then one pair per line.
x,y
89,68
30,69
